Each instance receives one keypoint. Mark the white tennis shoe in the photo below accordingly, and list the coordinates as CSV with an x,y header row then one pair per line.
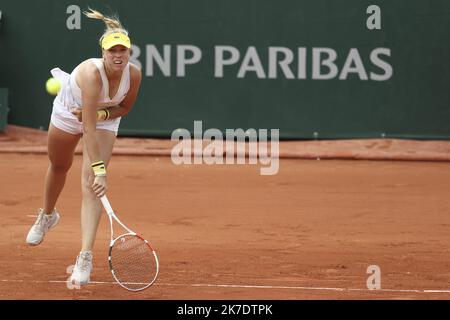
x,y
42,225
81,273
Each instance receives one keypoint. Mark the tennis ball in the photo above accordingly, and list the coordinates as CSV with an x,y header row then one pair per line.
x,y
53,86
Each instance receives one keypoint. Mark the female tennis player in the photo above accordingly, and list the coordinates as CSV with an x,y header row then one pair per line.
x,y
90,104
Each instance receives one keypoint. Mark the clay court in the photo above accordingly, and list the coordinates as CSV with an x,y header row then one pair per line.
x,y
226,232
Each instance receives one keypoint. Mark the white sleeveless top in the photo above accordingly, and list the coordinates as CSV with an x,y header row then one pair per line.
x,y
70,94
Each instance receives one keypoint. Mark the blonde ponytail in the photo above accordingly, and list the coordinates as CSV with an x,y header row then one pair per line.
x,y
112,24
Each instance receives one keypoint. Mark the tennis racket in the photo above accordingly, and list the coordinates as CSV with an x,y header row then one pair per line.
x,y
132,261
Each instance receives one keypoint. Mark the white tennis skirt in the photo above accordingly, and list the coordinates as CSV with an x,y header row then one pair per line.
x,y
66,121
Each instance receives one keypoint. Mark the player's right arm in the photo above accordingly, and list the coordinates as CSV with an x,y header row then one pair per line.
x,y
90,83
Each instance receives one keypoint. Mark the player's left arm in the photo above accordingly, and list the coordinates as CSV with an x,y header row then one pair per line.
x,y
127,104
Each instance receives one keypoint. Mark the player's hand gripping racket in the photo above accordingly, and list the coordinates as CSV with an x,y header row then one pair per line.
x,y
133,262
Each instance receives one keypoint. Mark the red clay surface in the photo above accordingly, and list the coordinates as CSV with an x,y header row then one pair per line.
x,y
317,224
226,232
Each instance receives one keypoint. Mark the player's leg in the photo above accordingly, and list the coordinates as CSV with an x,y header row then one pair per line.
x,y
91,208
61,146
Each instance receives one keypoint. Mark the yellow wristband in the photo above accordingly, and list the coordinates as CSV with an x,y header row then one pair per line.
x,y
102,115
99,169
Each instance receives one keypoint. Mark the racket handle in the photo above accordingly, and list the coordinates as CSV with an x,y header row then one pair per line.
x,y
107,205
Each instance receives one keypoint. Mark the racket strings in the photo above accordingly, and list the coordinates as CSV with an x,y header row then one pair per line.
x,y
133,262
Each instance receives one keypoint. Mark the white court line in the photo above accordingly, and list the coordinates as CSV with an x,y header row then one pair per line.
x,y
241,286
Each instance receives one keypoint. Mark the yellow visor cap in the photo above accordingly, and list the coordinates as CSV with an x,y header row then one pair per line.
x,y
115,39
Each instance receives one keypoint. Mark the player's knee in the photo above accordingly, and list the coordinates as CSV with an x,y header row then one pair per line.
x,y
60,168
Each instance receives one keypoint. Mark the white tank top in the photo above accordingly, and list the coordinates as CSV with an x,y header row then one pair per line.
x,y
70,94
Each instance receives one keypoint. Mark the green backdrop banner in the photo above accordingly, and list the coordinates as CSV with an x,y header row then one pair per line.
x,y
312,69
